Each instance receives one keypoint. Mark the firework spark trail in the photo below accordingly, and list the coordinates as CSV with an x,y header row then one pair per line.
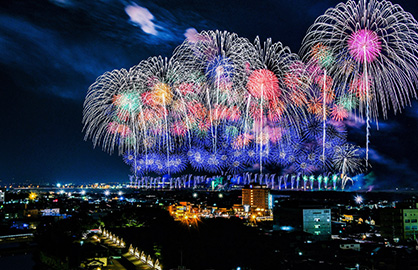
x,y
347,159
324,117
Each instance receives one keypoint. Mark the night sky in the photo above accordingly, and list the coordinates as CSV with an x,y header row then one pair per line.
x,y
52,51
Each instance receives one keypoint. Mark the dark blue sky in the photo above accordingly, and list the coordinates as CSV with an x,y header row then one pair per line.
x,y
51,51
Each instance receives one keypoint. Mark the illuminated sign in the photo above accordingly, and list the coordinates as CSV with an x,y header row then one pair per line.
x,y
51,212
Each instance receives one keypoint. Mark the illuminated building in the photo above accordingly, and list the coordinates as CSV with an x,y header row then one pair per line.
x,y
317,222
1,196
351,245
180,210
302,216
256,198
347,218
399,224
410,223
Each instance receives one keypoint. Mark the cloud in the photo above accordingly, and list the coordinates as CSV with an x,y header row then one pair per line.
x,y
391,171
354,121
413,110
62,3
44,61
191,34
47,57
142,16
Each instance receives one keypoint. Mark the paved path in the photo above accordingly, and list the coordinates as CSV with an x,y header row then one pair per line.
x,y
139,265
115,265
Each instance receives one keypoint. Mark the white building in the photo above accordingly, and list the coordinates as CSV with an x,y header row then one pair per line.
x,y
317,222
353,246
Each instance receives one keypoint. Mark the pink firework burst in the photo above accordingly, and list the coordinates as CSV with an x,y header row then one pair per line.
x,y
263,83
179,128
364,45
186,89
338,113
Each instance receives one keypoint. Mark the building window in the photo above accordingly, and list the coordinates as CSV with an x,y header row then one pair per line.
x,y
407,221
413,221
407,228
317,219
317,226
414,228
317,232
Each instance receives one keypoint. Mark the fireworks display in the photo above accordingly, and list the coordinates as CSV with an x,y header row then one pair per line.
x,y
374,45
223,103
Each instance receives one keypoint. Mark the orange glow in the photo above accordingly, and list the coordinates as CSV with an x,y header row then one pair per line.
x,y
162,94
32,196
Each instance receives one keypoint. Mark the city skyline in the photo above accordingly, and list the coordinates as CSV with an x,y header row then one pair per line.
x,y
56,49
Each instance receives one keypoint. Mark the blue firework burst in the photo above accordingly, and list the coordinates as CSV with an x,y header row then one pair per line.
x,y
129,157
197,158
236,161
176,163
220,70
216,162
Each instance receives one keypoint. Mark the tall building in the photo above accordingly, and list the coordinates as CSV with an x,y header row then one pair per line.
x,y
256,197
317,222
1,196
410,223
399,224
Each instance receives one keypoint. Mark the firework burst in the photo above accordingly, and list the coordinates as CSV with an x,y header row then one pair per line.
x,y
381,39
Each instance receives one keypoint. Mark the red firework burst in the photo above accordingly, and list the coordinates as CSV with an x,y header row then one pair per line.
x,y
338,113
359,87
242,140
179,128
263,83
